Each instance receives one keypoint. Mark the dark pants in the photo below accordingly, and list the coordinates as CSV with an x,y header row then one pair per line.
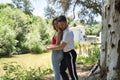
x,y
69,59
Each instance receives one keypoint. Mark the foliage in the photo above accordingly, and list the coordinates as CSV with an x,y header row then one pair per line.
x,y
76,44
49,12
87,9
69,20
93,30
97,28
2,6
13,71
35,39
7,41
22,33
49,27
73,23
16,21
91,56
24,5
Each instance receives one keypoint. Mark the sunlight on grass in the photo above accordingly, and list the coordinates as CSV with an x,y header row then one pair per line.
x,y
30,60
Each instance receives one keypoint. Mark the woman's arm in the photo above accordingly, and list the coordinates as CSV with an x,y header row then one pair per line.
x,y
58,37
59,44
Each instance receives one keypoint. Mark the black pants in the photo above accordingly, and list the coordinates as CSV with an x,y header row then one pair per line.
x,y
69,62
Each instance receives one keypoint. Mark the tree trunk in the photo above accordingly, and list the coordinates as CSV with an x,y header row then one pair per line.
x,y
110,49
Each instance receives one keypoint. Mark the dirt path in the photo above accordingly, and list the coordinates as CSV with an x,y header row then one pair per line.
x,y
82,71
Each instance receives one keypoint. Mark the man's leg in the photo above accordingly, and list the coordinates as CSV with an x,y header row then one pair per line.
x,y
71,59
63,68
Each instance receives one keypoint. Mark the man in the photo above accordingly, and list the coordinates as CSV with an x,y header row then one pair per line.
x,y
69,54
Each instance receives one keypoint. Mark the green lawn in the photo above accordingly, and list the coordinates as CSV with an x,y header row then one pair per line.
x,y
29,60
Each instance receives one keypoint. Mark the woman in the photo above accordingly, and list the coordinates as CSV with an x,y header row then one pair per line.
x,y
57,55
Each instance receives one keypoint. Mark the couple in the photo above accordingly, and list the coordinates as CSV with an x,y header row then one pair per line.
x,y
63,53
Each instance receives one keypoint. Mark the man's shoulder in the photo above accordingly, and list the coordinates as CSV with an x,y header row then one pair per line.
x,y
68,32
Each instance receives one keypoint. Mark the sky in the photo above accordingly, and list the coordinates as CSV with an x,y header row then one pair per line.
x,y
38,5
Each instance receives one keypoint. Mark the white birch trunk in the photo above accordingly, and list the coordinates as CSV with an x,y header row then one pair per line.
x,y
110,50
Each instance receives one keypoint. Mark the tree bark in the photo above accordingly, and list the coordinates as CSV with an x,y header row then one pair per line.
x,y
110,49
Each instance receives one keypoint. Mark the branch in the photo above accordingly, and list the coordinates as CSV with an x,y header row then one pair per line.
x,y
94,6
74,9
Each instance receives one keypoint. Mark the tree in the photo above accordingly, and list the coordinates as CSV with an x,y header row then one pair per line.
x,y
49,12
2,6
110,46
25,5
88,9
111,38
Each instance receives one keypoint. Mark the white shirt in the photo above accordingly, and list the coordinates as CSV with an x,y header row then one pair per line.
x,y
68,38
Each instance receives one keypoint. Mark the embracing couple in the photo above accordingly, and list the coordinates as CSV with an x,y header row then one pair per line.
x,y
63,53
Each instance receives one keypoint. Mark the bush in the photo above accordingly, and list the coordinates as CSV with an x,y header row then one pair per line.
x,y
92,56
77,45
21,33
7,41
13,71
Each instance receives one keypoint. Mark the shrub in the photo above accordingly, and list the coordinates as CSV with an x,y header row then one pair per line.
x,y
13,71
92,55
7,41
77,45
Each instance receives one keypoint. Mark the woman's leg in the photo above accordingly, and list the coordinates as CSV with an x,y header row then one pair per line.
x,y
57,56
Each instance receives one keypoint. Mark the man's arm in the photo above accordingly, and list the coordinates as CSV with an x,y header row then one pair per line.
x,y
56,47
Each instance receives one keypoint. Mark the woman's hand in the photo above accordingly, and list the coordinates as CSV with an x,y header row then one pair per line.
x,y
49,47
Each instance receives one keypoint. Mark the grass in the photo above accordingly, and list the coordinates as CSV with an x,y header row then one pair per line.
x,y
29,60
